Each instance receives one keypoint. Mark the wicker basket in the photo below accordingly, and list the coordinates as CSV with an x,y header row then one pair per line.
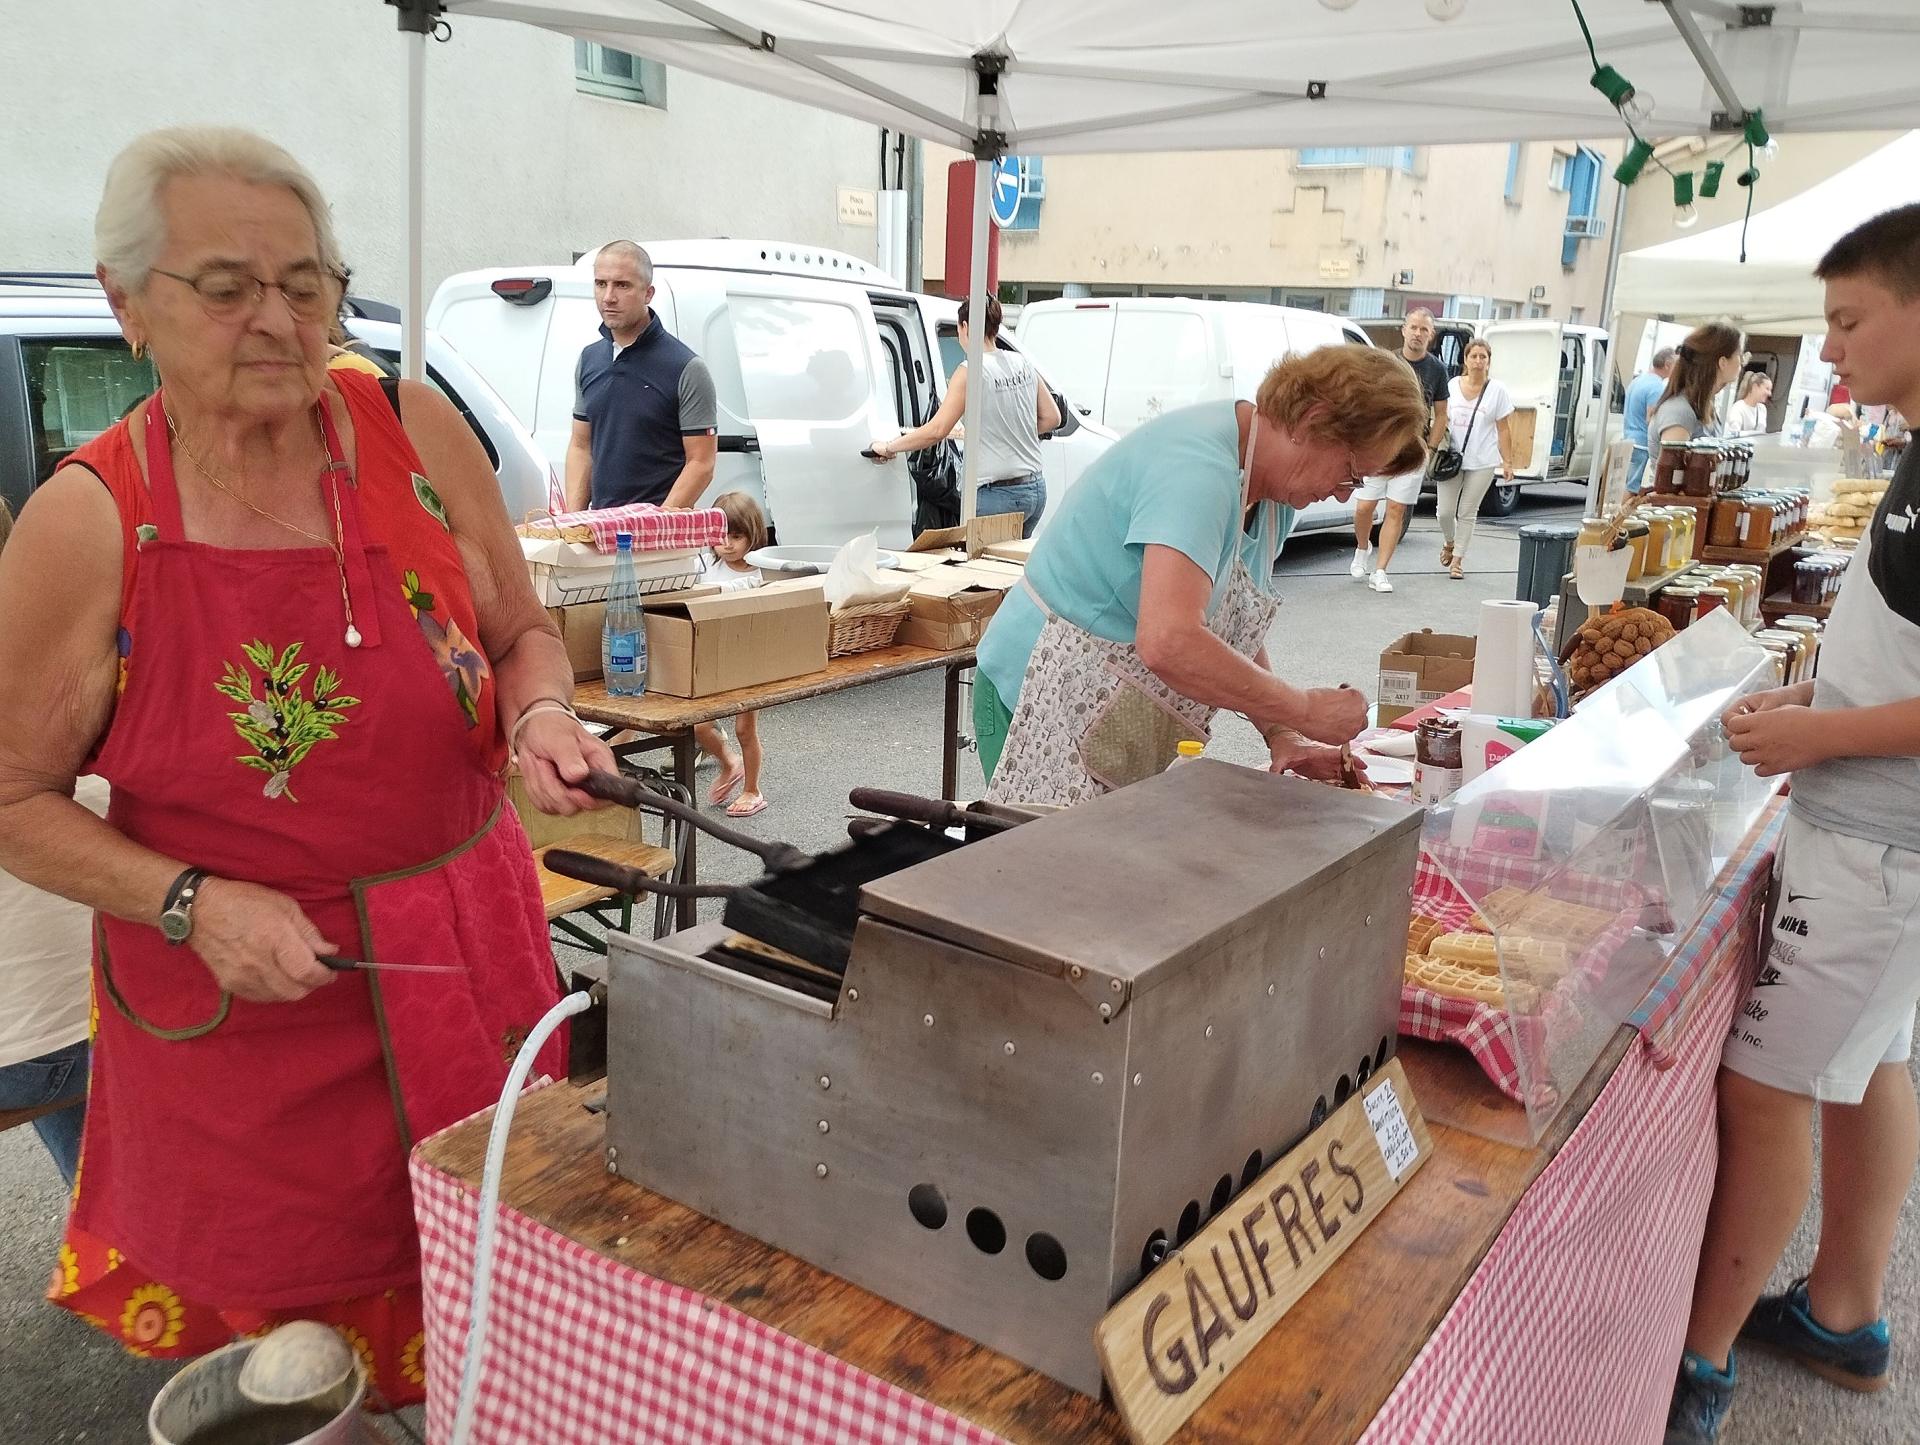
x,y
865,627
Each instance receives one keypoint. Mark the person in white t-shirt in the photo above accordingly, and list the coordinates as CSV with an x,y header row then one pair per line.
x,y
729,570
1748,416
46,963
1480,428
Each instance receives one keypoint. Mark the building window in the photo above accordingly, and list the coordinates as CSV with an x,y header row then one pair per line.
x,y
1576,315
1537,310
1397,158
1504,310
1467,308
1516,162
1558,172
617,75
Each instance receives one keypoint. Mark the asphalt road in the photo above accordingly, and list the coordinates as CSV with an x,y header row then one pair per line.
x,y
60,1381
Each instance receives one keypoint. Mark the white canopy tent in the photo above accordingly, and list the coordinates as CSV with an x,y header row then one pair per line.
x,y
1001,77
1700,277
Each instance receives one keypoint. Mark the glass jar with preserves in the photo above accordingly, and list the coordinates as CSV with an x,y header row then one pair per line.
x,y
1729,525
1712,598
1678,603
1736,585
1698,478
1809,582
1669,467
1808,630
1788,643
1760,521
1685,521
1635,533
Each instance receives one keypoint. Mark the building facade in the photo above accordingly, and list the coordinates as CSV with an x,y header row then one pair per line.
x,y
1481,231
538,147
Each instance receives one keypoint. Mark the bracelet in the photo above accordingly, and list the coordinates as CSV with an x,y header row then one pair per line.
x,y
533,709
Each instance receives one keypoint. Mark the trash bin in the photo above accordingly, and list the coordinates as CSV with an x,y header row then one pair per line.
x,y
1546,556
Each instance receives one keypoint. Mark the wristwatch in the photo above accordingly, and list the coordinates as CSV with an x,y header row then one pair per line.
x,y
176,916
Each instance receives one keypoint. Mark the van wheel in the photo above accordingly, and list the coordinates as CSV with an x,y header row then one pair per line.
x,y
1502,500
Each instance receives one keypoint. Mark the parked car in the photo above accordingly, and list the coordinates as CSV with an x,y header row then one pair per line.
x,y
813,353
66,375
1128,359
1557,375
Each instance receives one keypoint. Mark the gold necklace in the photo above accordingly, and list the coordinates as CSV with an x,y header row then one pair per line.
x,y
335,544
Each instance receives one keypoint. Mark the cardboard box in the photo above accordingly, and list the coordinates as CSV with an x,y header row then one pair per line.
x,y
1420,668
974,538
951,605
705,641
566,574
580,628
1015,551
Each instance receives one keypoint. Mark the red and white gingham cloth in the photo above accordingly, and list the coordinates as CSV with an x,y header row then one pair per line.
x,y
1571,1327
582,1350
654,529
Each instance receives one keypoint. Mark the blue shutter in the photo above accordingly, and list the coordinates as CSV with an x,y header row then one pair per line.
x,y
1513,173
1583,193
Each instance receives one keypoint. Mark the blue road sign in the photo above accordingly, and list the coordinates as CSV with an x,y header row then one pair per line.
x,y
1005,190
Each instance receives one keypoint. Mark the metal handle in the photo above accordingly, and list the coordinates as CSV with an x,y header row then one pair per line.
x,y
630,793
935,812
601,873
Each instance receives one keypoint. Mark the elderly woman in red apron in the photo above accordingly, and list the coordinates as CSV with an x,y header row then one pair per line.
x,y
1148,599
283,613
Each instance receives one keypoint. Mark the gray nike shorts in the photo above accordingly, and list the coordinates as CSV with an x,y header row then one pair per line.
x,y
1841,972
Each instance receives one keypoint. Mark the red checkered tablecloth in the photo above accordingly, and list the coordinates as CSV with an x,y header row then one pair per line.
x,y
653,529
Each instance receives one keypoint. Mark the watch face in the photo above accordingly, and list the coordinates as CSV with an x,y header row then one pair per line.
x,y
175,925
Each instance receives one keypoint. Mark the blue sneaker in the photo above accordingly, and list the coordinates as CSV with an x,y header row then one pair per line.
x,y
1702,1396
1784,1324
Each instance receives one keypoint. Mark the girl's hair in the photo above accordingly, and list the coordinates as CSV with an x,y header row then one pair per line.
x,y
1751,382
1478,345
744,518
1696,374
1366,397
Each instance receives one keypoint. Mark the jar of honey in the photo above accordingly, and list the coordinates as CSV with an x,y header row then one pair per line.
x,y
1636,533
1729,525
1686,520
1808,630
1659,536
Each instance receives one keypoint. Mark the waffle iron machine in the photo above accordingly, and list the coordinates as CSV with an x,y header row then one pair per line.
x,y
995,1085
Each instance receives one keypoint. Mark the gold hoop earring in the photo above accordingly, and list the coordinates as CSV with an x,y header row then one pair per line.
x,y
138,348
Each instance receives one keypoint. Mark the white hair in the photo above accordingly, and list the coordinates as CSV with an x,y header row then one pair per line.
x,y
129,229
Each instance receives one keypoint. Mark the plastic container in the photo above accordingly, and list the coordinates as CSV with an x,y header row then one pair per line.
x,y
623,637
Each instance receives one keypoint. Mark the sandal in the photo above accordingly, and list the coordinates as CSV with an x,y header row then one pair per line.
x,y
1446,553
728,783
1457,571
746,805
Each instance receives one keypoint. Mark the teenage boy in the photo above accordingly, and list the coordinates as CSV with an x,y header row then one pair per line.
x,y
1830,1021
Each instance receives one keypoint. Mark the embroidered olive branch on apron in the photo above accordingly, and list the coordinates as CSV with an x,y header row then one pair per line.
x,y
279,722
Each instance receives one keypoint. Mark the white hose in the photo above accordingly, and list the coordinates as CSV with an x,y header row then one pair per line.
x,y
573,1003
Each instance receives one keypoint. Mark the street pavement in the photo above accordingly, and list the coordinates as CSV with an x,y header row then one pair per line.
x,y
60,1381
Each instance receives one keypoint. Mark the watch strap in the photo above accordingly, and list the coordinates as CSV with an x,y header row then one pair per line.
x,y
181,896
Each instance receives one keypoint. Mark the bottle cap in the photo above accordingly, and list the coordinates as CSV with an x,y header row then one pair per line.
x,y
623,541
1191,749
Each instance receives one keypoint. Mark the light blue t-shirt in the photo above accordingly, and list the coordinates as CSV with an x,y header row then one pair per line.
x,y
1642,392
1174,482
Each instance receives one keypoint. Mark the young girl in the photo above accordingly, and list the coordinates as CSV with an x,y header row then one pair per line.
x,y
727,569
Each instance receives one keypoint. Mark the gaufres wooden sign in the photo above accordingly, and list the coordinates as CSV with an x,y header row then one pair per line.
x,y
1168,1344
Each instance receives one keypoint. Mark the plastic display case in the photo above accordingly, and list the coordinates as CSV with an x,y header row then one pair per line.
x,y
1590,854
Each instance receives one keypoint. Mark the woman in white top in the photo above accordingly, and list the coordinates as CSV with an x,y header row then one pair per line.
x,y
1480,428
1748,416
1016,411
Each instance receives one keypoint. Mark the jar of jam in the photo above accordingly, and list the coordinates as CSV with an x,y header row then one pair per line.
x,y
1729,525
1636,534
1678,603
1697,480
1789,644
1711,599
1669,467
1810,576
1760,521
1808,631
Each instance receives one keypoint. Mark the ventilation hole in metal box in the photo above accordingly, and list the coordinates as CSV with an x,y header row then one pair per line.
x,y
984,1228
1341,1090
1319,1115
1380,1054
1222,1192
1048,1259
1252,1171
1154,1252
928,1204
1364,1072
1189,1221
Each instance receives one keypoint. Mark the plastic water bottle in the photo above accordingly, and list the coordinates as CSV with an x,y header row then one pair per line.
x,y
1189,749
623,637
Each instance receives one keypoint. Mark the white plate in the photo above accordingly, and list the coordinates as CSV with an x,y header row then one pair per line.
x,y
794,559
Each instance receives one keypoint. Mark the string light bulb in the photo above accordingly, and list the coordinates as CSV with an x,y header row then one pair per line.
x,y
1766,149
1685,215
1635,161
1710,179
1634,104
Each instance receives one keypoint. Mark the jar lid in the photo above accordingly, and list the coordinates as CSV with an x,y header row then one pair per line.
x,y
1636,528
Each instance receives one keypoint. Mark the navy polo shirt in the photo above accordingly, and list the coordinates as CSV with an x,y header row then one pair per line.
x,y
639,401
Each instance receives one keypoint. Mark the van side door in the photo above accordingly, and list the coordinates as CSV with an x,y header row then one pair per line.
x,y
808,359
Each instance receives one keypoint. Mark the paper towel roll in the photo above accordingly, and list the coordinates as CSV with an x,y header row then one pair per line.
x,y
1503,659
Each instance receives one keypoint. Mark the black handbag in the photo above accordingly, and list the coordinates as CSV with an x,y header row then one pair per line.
x,y
1448,461
936,486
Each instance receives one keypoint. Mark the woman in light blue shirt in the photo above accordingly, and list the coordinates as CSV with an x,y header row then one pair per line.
x,y
1148,597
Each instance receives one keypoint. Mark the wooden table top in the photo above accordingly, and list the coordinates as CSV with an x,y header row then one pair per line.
x,y
656,712
1321,1375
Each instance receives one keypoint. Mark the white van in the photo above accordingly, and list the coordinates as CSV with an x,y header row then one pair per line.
x,y
813,353
1555,371
1125,360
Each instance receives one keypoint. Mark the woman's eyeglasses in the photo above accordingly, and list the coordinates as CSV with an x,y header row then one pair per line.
x,y
228,291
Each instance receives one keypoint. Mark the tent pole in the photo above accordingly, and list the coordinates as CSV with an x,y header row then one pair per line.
x,y
976,336
1613,351
413,318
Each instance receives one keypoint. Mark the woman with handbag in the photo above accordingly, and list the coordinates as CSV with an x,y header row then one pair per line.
x,y
1479,438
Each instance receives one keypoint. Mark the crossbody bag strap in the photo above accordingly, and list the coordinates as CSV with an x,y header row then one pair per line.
x,y
1468,435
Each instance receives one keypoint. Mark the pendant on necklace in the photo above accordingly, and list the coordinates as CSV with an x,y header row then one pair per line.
x,y
353,635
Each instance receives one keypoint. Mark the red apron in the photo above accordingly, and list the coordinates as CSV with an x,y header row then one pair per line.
x,y
248,1157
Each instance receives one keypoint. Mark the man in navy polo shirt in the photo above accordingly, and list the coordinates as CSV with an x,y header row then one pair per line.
x,y
644,418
